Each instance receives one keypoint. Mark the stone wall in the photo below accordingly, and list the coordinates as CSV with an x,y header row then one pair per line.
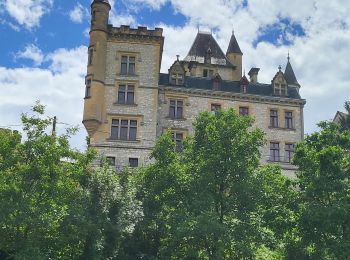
x,y
260,110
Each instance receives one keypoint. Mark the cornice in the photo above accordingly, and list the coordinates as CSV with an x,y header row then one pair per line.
x,y
231,95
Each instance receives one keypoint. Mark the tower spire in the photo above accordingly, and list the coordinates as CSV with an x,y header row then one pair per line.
x,y
289,74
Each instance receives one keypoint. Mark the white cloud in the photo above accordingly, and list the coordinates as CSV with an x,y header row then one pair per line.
x,y
27,12
60,88
31,52
153,4
78,13
318,57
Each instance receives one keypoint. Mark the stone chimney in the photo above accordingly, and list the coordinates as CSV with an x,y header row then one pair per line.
x,y
253,74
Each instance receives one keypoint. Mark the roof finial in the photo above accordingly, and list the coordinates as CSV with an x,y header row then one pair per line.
x,y
177,57
244,72
279,67
233,30
288,56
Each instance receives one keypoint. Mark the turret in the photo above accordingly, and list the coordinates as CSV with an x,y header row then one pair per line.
x,y
290,76
94,105
234,54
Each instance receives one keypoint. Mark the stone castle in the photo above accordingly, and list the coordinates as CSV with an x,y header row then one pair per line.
x,y
128,103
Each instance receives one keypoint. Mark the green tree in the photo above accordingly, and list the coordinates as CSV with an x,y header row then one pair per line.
x,y
52,200
213,200
323,179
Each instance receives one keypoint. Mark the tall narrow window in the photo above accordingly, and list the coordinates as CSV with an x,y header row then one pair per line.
x,y
176,109
91,54
178,139
127,65
215,107
88,88
126,94
288,118
273,118
288,152
274,152
124,129
93,16
243,111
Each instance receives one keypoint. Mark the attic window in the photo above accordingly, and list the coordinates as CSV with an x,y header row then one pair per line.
x,y
244,88
280,89
177,79
208,73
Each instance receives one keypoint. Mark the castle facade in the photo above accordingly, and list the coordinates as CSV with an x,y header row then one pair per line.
x,y
128,103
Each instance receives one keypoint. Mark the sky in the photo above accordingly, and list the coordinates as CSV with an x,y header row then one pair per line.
x,y
43,54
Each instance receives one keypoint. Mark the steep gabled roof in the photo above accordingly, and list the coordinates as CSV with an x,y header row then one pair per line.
x,y
233,46
204,43
289,75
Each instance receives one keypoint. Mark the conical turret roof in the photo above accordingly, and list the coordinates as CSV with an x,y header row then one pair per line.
x,y
289,75
233,46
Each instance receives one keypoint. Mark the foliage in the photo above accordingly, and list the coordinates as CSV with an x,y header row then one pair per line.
x,y
53,204
323,178
212,201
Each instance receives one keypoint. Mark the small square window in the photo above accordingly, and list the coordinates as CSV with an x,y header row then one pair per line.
x,y
243,111
215,107
133,162
110,160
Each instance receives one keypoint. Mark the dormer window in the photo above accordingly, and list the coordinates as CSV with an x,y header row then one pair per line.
x,y
208,73
177,78
244,88
177,73
280,89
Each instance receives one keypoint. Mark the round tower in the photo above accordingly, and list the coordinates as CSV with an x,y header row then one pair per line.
x,y
94,105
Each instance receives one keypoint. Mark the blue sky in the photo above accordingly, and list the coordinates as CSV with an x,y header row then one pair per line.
x,y
43,54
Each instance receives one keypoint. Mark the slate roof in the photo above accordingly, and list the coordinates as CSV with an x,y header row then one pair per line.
x,y
202,43
103,1
226,85
289,75
233,46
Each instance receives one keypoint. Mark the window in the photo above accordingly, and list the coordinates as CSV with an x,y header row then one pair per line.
x,y
93,16
177,78
128,65
244,88
243,111
110,160
91,54
280,89
123,129
274,152
288,116
176,109
126,94
88,88
215,107
178,138
288,152
208,73
273,118
133,162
